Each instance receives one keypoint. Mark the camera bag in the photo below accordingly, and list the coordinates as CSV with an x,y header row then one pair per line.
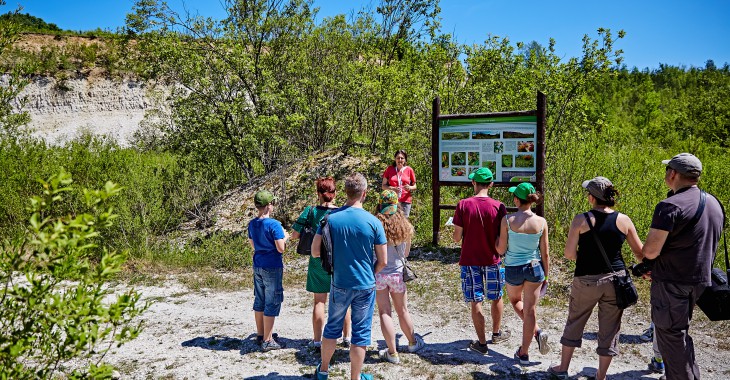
x,y
715,300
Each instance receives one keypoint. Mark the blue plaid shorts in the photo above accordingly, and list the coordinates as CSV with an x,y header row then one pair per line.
x,y
474,278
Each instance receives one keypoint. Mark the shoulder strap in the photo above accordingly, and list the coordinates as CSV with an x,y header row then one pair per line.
x,y
724,235
700,209
310,216
598,241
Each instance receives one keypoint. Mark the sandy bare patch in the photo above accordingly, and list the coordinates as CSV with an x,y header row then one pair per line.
x,y
210,334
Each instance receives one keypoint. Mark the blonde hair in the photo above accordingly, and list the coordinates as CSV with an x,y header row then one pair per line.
x,y
397,227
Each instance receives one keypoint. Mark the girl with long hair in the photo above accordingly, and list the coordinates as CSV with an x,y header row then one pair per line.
x,y
389,281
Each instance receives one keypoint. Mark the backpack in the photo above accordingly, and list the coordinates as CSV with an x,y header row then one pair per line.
x,y
326,249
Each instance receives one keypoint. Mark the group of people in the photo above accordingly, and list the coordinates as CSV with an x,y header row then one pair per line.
x,y
498,251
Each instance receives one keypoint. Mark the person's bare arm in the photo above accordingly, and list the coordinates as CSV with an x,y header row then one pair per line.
x,y
381,253
632,237
654,242
281,243
385,184
458,234
502,239
294,235
316,245
545,249
571,244
250,241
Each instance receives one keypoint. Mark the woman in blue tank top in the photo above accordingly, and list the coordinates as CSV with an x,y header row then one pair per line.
x,y
523,242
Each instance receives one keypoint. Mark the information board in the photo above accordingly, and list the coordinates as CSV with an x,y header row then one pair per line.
x,y
504,144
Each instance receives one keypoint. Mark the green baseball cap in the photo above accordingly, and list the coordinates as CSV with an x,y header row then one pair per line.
x,y
482,175
263,198
522,190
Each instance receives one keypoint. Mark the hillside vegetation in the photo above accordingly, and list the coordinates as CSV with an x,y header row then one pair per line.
x,y
272,86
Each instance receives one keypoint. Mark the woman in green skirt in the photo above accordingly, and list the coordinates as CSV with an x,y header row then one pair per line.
x,y
318,281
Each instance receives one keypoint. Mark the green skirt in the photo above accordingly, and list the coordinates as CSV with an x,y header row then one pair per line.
x,y
318,280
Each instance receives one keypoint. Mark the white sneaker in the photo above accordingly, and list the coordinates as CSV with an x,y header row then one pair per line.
x,y
387,356
418,345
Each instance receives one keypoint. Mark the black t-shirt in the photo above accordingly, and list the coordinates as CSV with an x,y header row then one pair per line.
x,y
688,252
589,258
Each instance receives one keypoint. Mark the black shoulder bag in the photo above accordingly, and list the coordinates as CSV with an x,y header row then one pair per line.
x,y
306,235
626,294
715,300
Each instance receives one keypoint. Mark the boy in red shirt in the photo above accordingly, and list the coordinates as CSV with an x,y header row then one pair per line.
x,y
477,221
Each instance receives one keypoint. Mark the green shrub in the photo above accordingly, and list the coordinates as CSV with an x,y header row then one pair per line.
x,y
57,316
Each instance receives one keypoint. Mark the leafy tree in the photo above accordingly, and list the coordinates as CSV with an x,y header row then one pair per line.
x,y
55,306
30,23
10,120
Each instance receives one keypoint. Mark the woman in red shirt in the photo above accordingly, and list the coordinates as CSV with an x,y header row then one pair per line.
x,y
400,178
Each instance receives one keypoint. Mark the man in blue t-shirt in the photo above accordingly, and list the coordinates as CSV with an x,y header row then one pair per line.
x,y
359,244
268,239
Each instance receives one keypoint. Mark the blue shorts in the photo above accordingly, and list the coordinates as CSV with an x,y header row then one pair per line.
x,y
363,305
518,274
474,278
268,290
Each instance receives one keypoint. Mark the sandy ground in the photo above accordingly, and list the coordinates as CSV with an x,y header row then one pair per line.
x,y
209,334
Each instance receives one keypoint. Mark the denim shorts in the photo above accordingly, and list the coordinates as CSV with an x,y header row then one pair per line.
x,y
363,305
476,281
518,274
268,290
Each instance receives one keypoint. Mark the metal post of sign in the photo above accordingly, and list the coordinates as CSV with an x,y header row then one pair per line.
x,y
540,159
516,144
435,186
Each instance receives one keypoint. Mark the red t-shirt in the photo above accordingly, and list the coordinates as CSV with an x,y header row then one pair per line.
x,y
407,178
478,243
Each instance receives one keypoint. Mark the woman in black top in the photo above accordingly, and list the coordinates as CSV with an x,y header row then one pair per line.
x,y
592,279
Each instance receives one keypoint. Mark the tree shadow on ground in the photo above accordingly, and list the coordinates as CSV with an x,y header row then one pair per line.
x,y
457,352
245,346
590,372
441,254
275,375
310,357
622,338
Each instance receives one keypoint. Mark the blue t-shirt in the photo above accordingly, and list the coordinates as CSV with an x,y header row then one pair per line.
x,y
264,232
354,233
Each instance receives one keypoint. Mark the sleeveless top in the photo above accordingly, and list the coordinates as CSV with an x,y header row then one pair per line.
x,y
590,261
521,247
395,259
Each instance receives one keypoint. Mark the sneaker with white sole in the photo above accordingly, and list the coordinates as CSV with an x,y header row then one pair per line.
x,y
270,346
501,336
387,356
542,342
478,348
522,359
345,343
647,335
418,345
555,374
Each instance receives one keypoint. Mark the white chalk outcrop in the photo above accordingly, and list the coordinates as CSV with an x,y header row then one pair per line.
x,y
61,110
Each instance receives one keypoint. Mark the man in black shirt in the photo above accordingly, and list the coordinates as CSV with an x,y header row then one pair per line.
x,y
683,239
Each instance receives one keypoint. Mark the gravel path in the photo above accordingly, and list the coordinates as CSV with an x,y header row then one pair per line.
x,y
210,334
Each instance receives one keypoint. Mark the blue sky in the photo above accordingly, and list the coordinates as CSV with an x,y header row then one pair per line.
x,y
671,32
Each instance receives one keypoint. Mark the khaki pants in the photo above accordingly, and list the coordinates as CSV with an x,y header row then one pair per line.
x,y
585,293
